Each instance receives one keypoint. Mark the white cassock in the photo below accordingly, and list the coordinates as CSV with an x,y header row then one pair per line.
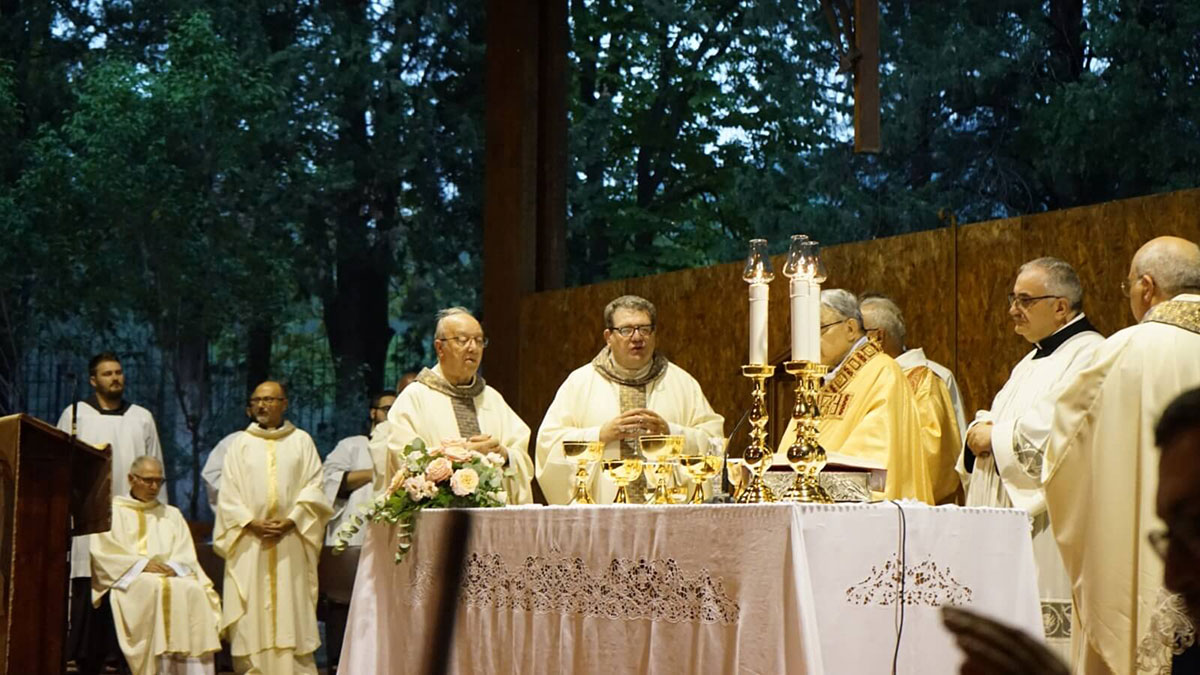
x,y
270,591
211,473
350,454
164,624
914,358
1021,415
588,399
1101,479
422,412
132,433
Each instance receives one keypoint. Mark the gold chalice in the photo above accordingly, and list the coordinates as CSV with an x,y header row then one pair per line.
x,y
660,447
622,472
701,468
582,453
658,474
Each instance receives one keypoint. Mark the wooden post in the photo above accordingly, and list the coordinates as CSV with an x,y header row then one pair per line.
x,y
866,77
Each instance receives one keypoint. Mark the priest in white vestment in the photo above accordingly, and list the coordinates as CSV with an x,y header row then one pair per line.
x,y
163,604
452,401
348,472
271,517
628,390
1002,460
1100,470
103,418
939,404
210,473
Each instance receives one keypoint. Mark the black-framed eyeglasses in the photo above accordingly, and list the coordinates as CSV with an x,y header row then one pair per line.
x,y
1026,301
462,341
827,326
149,481
628,331
269,400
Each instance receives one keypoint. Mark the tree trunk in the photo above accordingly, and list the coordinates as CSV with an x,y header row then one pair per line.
x,y
258,354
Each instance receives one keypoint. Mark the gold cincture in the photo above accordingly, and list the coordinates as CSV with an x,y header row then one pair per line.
x,y
805,455
758,455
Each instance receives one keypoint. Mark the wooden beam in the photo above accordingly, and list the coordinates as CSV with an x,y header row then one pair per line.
x,y
866,77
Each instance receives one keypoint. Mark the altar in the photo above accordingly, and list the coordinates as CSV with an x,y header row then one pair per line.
x,y
764,588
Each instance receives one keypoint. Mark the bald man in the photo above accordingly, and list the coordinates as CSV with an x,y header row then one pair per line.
x,y
1100,472
271,515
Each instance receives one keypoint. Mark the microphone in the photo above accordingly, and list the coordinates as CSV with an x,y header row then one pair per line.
x,y
74,404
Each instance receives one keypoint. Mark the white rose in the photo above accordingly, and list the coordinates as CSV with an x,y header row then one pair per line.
x,y
464,482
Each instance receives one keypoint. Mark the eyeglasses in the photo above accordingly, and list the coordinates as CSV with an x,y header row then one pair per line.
x,y
827,326
1185,533
463,341
1026,301
149,481
268,400
628,331
1127,286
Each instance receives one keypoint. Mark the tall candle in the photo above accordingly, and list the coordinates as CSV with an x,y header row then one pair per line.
x,y
758,324
812,328
800,290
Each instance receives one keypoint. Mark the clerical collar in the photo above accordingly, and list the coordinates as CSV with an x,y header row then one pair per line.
x,y
829,376
94,401
1079,324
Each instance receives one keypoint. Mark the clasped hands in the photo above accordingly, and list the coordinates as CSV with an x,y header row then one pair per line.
x,y
633,423
270,529
484,444
155,567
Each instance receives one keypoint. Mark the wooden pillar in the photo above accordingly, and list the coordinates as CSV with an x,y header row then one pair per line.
x,y
866,77
524,232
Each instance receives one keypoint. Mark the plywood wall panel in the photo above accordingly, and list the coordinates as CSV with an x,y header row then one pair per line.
x,y
951,285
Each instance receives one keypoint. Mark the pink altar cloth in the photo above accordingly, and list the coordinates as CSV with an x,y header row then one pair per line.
x,y
774,588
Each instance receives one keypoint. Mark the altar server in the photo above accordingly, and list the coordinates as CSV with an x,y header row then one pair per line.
x,y
628,390
348,472
1006,443
939,405
451,401
271,517
163,604
105,417
1100,471
868,412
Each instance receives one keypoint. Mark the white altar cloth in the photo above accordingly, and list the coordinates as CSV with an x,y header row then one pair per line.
x,y
773,588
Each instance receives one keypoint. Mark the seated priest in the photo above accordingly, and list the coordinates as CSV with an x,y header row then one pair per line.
x,y
935,392
868,413
164,606
452,401
628,390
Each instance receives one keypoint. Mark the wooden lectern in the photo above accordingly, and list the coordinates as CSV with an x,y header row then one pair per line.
x,y
47,481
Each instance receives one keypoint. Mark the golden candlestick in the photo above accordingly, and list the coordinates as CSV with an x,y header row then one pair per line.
x,y
758,455
805,455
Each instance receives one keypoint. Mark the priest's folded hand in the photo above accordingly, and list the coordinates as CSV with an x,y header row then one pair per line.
x,y
979,439
154,567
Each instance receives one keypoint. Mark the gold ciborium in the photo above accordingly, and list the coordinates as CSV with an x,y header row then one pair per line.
x,y
805,455
758,455
582,453
662,454
622,472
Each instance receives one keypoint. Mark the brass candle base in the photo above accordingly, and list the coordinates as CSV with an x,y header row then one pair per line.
x,y
805,455
758,455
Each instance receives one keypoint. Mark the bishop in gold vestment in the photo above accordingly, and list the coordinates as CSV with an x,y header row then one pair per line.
x,y
868,415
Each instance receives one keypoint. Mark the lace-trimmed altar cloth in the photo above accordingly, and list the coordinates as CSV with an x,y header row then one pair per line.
x,y
714,588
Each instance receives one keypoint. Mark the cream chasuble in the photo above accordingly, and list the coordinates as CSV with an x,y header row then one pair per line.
x,y
940,438
422,412
270,591
869,420
154,614
132,433
1101,476
350,454
588,399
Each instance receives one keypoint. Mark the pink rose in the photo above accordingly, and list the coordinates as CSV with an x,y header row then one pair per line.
x,y
464,482
397,482
418,488
439,470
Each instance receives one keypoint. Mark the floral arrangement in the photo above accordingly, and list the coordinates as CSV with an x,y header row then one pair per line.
x,y
446,477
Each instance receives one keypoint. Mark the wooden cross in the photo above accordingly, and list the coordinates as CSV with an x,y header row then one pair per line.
x,y
856,39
